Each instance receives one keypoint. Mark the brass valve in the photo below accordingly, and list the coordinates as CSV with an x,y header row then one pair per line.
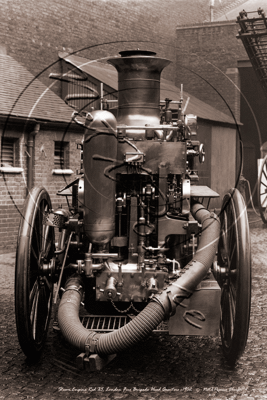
x,y
152,286
110,290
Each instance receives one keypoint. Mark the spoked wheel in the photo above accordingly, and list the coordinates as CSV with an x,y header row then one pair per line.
x,y
33,276
235,276
262,190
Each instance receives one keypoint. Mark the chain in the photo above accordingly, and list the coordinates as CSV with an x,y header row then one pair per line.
x,y
127,309
133,307
121,311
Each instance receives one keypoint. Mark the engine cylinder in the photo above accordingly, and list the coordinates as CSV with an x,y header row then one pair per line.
x,y
139,87
99,152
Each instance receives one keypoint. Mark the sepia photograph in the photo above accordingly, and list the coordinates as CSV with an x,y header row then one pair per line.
x,y
133,199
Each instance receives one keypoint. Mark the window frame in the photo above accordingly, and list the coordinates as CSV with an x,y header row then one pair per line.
x,y
58,170
62,147
11,140
5,167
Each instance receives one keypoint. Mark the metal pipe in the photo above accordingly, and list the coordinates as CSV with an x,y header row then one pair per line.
x,y
62,268
30,162
101,95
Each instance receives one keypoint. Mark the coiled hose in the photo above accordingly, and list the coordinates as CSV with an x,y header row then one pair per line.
x,y
162,305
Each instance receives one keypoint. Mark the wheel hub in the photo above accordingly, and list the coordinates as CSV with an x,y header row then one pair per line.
x,y
48,269
220,273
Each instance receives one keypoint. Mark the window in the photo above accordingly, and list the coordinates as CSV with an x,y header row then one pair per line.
x,y
8,152
61,155
10,155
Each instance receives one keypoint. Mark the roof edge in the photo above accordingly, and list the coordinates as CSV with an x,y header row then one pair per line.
x,y
206,25
45,122
233,124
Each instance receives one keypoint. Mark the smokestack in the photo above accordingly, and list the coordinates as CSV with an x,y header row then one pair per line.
x,y
139,87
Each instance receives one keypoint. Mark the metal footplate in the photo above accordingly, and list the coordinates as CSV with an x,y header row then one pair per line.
x,y
110,323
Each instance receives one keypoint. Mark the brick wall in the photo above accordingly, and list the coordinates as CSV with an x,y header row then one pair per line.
x,y
44,161
33,31
12,190
13,187
207,62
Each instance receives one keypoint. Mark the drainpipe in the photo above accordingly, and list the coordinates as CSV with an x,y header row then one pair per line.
x,y
211,10
30,156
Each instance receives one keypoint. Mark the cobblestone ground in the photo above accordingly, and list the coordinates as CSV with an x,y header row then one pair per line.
x,y
161,367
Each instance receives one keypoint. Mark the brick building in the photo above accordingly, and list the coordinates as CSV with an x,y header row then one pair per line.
x,y
216,69
33,32
32,117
